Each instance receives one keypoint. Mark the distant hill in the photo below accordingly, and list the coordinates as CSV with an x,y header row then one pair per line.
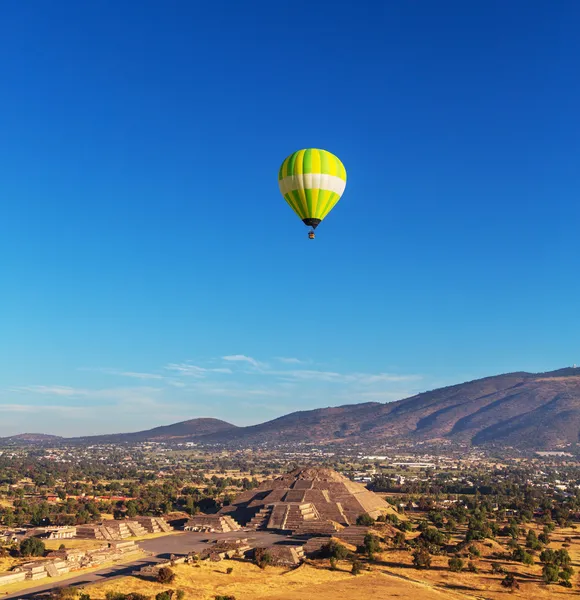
x,y
524,410
186,430
31,438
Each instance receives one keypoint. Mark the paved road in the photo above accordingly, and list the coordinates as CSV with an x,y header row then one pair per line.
x,y
161,547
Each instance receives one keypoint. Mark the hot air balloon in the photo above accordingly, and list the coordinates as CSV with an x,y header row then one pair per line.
x,y
312,182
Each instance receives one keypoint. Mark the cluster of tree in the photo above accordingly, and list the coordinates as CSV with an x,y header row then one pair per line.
x,y
556,567
145,499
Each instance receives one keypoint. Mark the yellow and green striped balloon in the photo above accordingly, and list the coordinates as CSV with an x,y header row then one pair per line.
x,y
312,182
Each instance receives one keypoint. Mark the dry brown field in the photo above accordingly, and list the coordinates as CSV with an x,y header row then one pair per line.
x,y
248,582
391,575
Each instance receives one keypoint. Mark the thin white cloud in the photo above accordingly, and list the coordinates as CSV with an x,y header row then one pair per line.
x,y
117,393
243,358
121,373
51,390
289,360
140,375
36,408
334,377
194,370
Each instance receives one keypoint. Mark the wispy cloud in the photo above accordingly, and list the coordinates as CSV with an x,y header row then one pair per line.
x,y
191,370
122,373
51,390
243,358
290,360
117,393
36,408
236,387
334,377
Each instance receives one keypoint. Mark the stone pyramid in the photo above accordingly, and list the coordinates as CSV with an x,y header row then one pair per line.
x,y
307,500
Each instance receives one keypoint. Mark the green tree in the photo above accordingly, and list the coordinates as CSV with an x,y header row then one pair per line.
x,y
365,519
336,550
509,582
550,573
32,546
421,558
455,564
165,575
372,545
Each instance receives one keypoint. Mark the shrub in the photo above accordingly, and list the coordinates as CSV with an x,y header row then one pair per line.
x,y
335,550
472,567
180,595
520,555
84,596
474,550
333,563
365,519
165,575
433,536
229,570
550,573
168,595
224,598
262,558
497,569
421,558
509,581
372,545
544,538
65,594
399,539
356,567
32,546
455,564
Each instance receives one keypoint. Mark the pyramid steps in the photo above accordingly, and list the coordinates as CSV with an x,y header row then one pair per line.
x,y
136,528
260,519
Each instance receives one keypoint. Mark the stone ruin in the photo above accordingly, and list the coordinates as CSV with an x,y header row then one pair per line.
x,y
120,530
212,523
61,562
308,501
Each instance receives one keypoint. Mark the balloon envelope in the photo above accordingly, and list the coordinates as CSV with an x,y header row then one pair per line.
x,y
312,182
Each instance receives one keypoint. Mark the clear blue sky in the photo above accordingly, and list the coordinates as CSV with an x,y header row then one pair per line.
x,y
143,237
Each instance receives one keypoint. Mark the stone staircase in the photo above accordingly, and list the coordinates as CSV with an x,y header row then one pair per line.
x,y
136,528
231,523
317,528
215,523
260,520
154,524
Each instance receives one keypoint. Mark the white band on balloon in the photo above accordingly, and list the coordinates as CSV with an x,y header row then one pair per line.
x,y
312,181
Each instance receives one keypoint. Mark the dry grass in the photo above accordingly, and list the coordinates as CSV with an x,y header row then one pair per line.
x,y
8,562
484,584
248,582
75,544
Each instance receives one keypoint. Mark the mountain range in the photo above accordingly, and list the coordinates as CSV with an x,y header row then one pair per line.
x,y
524,410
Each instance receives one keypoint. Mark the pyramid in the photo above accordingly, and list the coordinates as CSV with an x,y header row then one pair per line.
x,y
307,500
